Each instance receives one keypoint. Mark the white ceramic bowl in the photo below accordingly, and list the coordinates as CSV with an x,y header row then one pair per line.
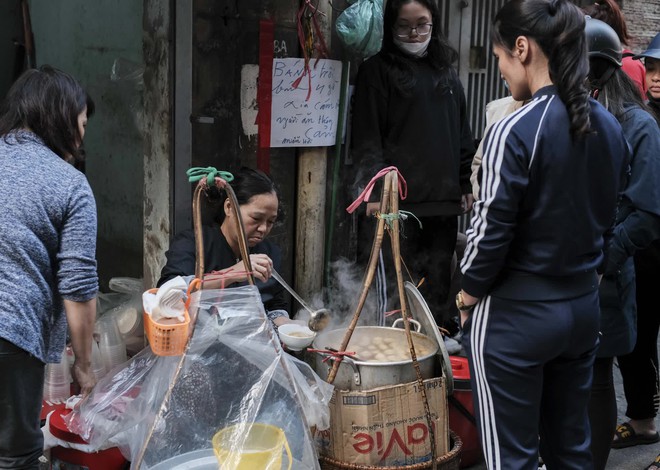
x,y
295,337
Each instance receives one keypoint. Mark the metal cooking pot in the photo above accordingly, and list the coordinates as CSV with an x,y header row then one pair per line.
x,y
356,374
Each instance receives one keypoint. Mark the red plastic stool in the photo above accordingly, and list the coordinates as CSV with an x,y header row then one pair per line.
x,y
73,459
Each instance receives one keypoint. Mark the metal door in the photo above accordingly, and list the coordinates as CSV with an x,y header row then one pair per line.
x,y
467,25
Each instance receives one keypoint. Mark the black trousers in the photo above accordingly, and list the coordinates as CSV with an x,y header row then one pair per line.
x,y
602,411
21,390
427,253
639,369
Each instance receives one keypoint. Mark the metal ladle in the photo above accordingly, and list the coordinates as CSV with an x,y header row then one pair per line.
x,y
319,319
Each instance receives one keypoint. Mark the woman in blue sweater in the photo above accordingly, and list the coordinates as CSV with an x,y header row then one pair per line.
x,y
48,273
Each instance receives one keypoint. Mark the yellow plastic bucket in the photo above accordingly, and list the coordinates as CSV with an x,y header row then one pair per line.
x,y
253,446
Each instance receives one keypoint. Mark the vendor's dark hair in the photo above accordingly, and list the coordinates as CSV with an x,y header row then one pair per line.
x,y
246,184
440,54
619,92
609,12
557,26
47,102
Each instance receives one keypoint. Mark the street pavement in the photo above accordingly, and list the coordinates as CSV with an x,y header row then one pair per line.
x,y
631,458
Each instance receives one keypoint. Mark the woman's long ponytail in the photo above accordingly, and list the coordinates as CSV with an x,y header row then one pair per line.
x,y
569,66
557,26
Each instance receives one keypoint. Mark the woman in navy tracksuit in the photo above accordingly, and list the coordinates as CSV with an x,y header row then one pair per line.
x,y
549,184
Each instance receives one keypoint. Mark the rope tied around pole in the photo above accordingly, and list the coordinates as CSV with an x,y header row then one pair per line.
x,y
213,176
332,353
401,216
406,214
226,275
366,193
309,31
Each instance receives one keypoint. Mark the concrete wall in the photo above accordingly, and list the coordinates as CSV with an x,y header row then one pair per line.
x,y
642,20
100,43
10,33
157,149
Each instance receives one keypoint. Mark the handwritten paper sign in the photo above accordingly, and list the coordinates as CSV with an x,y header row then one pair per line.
x,y
297,121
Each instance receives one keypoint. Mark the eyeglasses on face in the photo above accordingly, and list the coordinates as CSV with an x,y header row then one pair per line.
x,y
407,31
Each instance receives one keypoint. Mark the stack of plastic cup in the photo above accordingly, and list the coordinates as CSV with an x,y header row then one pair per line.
x,y
111,343
57,382
98,366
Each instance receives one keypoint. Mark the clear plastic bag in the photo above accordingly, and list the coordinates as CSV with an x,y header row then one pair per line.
x,y
122,399
124,305
234,375
360,27
126,285
314,393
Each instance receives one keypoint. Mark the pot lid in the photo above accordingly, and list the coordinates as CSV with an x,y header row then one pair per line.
x,y
420,311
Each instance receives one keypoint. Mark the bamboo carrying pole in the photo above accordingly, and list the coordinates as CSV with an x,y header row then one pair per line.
x,y
368,278
396,254
389,204
199,274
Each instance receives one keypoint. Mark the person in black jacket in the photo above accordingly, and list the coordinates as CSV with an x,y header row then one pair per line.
x,y
258,199
549,185
637,226
639,368
410,112
651,58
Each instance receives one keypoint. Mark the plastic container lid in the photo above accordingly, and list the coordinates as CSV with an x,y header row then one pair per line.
x,y
460,367
48,407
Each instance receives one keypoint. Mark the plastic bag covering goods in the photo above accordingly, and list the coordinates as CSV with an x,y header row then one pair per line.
x,y
235,373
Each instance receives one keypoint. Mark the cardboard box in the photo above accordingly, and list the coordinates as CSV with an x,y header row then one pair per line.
x,y
386,426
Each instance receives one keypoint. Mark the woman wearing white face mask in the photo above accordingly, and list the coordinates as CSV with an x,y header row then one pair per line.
x,y
410,112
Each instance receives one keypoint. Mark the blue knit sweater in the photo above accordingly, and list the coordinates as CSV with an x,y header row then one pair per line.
x,y
47,244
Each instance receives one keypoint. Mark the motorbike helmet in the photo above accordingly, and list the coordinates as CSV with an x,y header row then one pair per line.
x,y
653,51
602,41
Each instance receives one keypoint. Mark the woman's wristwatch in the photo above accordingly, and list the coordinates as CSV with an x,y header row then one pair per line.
x,y
461,305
